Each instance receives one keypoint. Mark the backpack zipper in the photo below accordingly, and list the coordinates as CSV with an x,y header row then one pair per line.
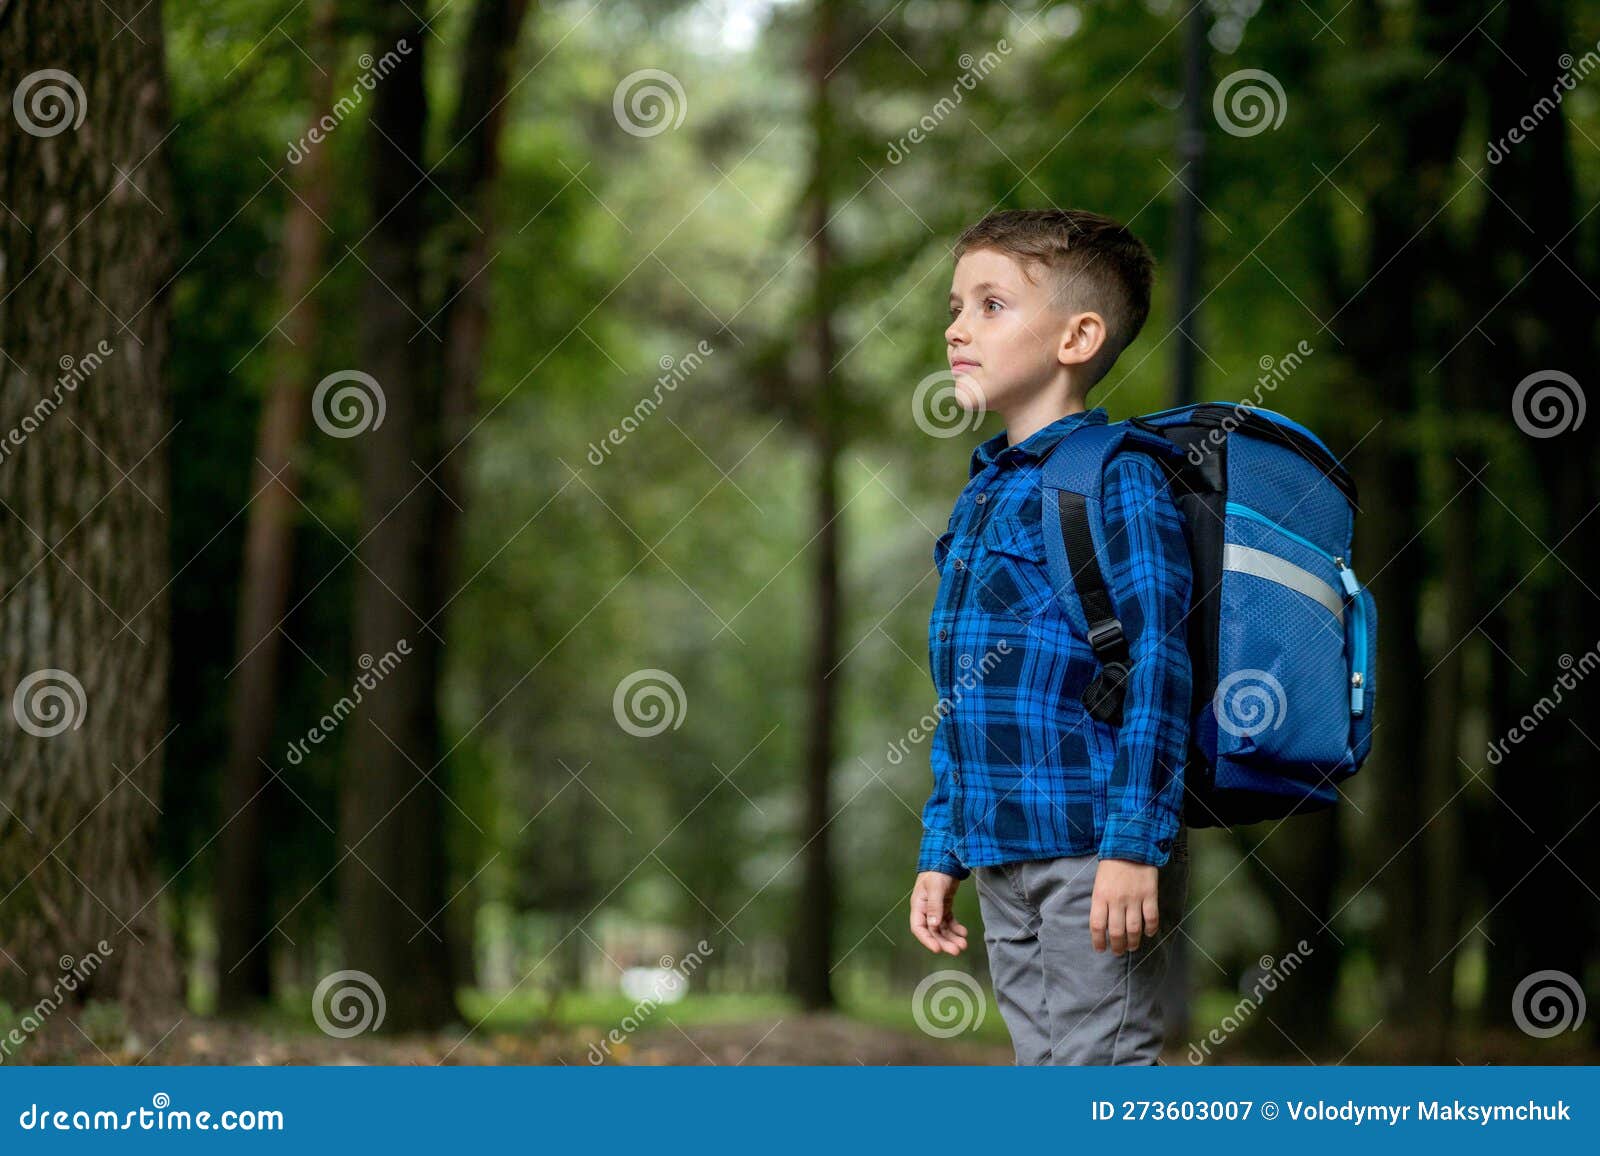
x,y
1347,580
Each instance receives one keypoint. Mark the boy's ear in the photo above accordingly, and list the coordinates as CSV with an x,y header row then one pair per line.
x,y
1082,338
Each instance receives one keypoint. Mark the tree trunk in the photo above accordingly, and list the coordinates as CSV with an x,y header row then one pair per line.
x,y
84,645
1187,261
464,317
811,944
244,899
392,876
427,361
1441,776
1186,240
1546,824
1296,868
1388,337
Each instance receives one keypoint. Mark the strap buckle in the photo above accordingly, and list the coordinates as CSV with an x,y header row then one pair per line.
x,y
1105,636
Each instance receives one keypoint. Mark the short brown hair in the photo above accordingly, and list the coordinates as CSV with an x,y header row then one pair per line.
x,y
1097,264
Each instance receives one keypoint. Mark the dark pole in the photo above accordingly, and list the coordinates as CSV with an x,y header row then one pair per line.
x,y
1186,260
1186,239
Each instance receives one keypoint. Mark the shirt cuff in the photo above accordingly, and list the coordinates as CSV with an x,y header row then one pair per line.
x,y
938,855
1139,839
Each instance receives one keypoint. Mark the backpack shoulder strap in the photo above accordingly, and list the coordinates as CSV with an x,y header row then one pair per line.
x,y
1073,518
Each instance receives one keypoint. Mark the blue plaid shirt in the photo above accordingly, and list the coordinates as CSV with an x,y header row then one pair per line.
x,y
1020,768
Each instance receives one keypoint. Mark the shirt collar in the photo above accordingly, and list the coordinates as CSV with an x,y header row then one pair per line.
x,y
1037,444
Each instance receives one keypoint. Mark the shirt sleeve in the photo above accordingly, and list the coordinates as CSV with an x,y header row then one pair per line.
x,y
938,840
1150,582
937,853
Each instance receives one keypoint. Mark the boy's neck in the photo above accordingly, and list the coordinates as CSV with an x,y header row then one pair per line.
x,y
1024,423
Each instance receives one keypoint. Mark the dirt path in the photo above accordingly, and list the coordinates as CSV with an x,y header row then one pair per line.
x,y
796,1039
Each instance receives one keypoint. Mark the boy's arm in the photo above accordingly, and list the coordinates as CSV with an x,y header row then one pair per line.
x,y
1148,574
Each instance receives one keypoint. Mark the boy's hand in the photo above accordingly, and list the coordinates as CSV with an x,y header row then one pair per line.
x,y
1123,905
931,919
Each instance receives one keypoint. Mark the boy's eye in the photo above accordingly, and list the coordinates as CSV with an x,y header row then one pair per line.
x,y
991,301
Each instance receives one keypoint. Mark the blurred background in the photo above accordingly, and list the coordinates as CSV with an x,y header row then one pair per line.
x,y
469,471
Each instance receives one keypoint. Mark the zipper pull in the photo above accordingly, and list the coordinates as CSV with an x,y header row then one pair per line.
x,y
1357,694
1347,577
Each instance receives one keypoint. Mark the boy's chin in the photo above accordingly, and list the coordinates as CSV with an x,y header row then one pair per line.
x,y
969,395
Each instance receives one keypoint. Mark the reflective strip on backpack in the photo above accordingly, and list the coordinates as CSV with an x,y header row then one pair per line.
x,y
1247,560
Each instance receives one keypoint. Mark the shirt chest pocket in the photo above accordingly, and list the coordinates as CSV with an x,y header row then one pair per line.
x,y
1011,572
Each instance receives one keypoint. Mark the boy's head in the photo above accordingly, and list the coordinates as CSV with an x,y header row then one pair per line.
x,y
1043,297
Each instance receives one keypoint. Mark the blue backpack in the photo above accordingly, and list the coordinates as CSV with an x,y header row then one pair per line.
x,y
1282,638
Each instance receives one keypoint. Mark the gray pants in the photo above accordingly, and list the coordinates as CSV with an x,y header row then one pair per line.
x,y
1063,1001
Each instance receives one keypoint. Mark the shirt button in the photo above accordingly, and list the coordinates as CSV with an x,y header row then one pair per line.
x,y
1164,844
982,498
955,777
943,634
960,565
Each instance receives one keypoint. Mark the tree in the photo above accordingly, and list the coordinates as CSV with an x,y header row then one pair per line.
x,y
394,869
811,944
244,901
1539,315
87,259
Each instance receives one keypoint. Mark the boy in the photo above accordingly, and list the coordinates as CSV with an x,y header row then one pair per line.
x,y
1071,827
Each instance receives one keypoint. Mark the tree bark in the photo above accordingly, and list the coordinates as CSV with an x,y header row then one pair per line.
x,y
1296,868
464,316
427,360
391,820
88,248
811,944
1388,337
1546,823
244,898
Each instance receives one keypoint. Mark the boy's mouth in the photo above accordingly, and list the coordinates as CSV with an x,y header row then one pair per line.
x,y
962,365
